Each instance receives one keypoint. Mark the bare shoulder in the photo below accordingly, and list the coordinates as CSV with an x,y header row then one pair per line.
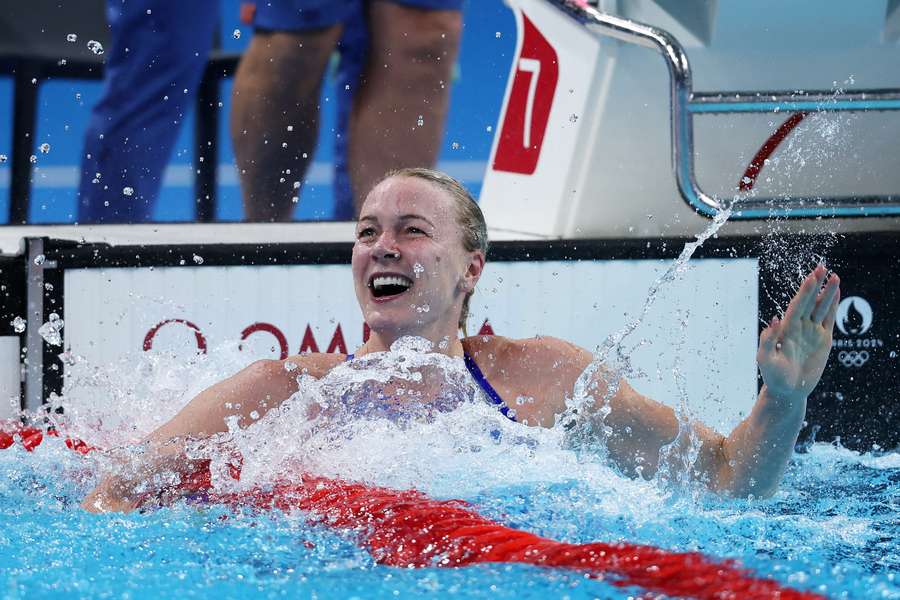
x,y
542,367
316,364
280,376
529,353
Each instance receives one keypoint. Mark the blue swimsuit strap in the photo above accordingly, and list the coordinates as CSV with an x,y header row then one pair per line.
x,y
482,381
486,386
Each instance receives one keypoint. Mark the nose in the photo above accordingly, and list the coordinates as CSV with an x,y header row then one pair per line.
x,y
385,248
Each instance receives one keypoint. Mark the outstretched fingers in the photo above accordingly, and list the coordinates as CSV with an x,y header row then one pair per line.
x,y
831,315
804,301
825,303
768,339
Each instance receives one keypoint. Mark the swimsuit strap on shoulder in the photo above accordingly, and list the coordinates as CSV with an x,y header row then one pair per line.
x,y
482,381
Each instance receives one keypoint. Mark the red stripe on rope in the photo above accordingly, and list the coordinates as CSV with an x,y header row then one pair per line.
x,y
750,175
405,528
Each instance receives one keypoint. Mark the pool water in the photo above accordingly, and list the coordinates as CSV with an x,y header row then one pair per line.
x,y
833,528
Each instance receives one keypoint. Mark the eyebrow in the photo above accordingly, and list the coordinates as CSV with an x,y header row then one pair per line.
x,y
406,217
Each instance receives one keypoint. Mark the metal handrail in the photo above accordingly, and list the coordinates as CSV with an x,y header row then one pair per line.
x,y
685,103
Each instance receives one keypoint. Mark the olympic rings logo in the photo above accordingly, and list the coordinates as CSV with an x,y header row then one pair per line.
x,y
853,358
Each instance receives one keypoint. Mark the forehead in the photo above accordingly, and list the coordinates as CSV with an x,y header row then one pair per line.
x,y
408,195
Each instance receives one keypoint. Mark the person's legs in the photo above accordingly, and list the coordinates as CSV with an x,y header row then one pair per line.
x,y
275,116
275,102
400,108
154,65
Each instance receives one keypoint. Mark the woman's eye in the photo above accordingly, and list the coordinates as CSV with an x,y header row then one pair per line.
x,y
414,230
364,233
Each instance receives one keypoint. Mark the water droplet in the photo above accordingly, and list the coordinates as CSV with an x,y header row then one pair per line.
x,y
236,34
893,354
72,38
296,185
347,86
418,270
48,286
33,80
497,34
44,148
420,121
295,199
32,159
455,145
39,259
18,324
50,330
573,117
3,158
254,415
78,96
290,127
128,190
305,155
489,129
198,259
284,144
95,47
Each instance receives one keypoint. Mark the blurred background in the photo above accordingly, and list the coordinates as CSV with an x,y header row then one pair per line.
x,y
64,105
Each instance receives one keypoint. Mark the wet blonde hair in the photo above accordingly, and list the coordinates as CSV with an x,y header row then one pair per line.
x,y
468,216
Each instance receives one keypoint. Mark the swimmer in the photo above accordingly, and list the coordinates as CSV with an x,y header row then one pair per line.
x,y
421,239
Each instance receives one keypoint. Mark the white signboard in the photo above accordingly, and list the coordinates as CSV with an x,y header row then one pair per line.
x,y
704,325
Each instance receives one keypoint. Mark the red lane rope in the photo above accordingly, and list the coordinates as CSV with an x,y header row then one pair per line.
x,y
405,528
753,169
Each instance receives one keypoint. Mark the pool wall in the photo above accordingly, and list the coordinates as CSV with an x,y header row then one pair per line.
x,y
279,299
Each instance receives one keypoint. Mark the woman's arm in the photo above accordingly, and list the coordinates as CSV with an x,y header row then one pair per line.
x,y
246,396
752,459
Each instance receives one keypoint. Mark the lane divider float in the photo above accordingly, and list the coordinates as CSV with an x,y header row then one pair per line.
x,y
405,528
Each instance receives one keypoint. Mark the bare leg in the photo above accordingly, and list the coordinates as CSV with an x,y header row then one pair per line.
x,y
275,116
400,108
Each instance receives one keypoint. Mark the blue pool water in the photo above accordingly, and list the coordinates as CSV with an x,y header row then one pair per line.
x,y
833,528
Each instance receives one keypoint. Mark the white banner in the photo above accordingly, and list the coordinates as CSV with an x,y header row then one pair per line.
x,y
704,325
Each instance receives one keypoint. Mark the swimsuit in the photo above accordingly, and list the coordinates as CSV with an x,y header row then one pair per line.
x,y
483,383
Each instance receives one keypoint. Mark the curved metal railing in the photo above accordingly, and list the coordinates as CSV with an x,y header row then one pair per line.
x,y
685,103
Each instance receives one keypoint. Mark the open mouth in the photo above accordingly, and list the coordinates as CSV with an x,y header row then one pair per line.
x,y
385,286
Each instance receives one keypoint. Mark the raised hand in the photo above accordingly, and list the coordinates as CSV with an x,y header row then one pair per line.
x,y
793,350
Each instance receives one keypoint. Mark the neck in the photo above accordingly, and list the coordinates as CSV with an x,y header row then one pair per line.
x,y
443,343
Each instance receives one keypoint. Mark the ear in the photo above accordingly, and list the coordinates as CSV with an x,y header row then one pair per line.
x,y
473,271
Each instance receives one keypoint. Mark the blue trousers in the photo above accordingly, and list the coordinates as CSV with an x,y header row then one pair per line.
x,y
155,61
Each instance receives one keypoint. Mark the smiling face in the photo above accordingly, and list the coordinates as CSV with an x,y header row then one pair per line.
x,y
411,271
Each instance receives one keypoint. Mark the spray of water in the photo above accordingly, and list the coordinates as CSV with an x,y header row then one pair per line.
x,y
589,404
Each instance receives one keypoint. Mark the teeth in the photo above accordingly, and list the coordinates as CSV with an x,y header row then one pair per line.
x,y
390,280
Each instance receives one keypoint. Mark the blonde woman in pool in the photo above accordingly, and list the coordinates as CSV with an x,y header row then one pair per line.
x,y
421,240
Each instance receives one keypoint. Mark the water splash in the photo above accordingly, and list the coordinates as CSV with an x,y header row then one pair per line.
x,y
50,330
601,379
